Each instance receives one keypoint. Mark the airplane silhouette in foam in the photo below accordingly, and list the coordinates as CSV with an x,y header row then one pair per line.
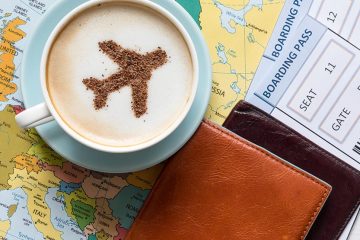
x,y
135,70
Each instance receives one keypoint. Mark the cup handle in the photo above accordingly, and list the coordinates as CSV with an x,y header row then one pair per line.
x,y
34,116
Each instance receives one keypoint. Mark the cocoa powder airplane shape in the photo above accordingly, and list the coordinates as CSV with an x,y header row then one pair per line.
x,y
135,70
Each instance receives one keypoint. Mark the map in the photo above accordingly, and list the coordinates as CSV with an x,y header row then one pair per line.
x,y
43,196
237,33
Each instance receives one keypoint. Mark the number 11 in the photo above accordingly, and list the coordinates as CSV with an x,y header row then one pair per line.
x,y
330,68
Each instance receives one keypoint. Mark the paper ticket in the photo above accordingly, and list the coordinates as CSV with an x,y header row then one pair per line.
x,y
290,17
342,17
314,88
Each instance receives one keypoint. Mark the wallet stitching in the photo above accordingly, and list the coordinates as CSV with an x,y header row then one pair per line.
x,y
330,157
293,169
147,202
348,219
161,179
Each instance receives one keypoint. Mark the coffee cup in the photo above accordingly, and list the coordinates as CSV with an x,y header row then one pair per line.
x,y
117,75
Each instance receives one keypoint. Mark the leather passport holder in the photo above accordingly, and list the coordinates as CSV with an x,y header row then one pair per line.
x,y
267,132
220,186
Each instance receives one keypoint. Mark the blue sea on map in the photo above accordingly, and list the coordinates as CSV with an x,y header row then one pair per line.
x,y
20,217
60,219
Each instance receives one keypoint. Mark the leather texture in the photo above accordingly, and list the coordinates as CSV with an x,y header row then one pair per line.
x,y
220,186
262,129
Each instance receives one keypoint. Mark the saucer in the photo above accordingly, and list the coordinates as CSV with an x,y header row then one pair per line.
x,y
92,159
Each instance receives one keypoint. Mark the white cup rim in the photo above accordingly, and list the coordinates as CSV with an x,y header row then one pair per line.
x,y
114,149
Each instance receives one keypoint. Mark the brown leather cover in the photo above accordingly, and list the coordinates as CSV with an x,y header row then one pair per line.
x,y
219,186
260,128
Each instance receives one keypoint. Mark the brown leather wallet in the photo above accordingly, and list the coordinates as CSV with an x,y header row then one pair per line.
x,y
260,128
220,186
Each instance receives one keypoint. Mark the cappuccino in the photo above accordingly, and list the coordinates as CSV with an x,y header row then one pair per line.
x,y
138,106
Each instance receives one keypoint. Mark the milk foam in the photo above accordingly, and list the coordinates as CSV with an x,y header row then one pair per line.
x,y
75,56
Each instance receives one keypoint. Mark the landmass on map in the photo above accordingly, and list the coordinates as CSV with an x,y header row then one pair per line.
x,y
236,33
9,35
